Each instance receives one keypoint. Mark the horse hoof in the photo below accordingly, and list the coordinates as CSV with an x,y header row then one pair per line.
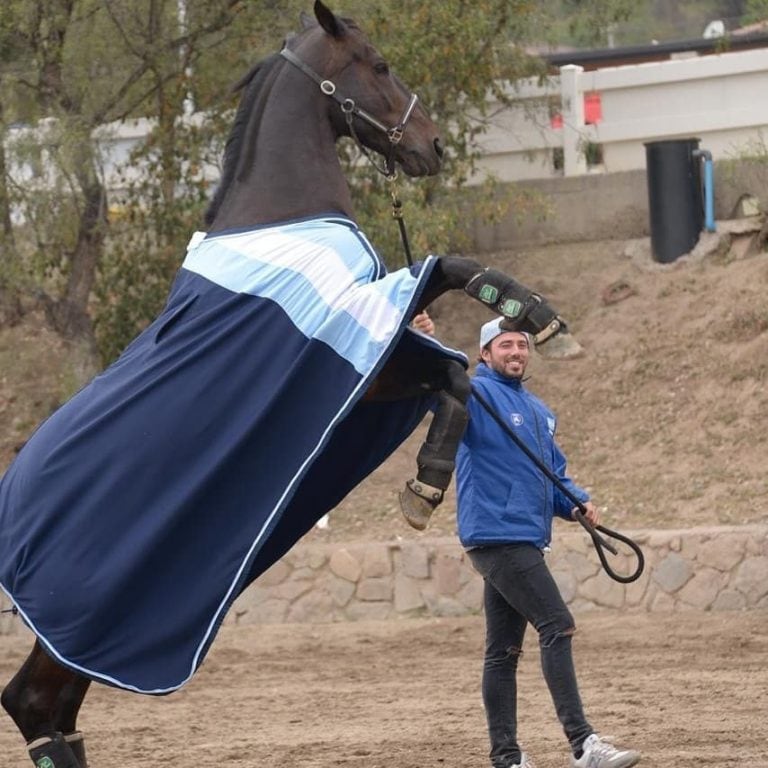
x,y
562,346
418,502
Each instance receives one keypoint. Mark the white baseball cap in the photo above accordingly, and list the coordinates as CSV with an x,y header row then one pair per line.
x,y
492,329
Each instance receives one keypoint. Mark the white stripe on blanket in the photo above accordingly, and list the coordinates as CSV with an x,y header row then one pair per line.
x,y
322,272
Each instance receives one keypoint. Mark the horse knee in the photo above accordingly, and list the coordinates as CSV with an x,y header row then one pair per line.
x,y
15,701
46,745
31,720
43,697
9,700
455,381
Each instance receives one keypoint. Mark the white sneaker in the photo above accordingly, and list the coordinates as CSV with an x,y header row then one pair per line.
x,y
525,762
601,754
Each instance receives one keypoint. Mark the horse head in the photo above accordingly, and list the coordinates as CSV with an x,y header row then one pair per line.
x,y
368,101
327,81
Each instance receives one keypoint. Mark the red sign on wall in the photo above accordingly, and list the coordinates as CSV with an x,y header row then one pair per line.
x,y
593,111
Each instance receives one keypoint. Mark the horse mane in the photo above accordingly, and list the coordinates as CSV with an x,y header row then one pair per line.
x,y
253,82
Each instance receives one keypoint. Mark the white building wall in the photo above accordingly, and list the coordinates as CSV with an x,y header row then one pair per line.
x,y
721,99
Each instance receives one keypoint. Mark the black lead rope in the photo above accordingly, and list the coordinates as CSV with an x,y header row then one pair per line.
x,y
599,542
397,214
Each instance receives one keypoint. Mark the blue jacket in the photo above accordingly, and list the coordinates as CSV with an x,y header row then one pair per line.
x,y
502,496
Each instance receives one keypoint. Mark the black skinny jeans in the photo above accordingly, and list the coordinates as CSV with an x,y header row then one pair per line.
x,y
519,589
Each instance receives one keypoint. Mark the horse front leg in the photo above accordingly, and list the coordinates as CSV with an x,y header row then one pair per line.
x,y
44,699
436,459
521,308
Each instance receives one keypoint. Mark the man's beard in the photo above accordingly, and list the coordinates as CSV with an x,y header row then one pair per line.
x,y
501,369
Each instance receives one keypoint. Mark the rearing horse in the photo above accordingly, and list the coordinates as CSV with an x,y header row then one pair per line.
x,y
280,373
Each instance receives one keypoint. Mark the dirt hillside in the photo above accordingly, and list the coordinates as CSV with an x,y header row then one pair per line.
x,y
662,416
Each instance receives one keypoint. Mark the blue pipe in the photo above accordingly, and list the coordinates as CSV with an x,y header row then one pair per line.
x,y
709,193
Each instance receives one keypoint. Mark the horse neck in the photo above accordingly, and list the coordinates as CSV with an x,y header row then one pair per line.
x,y
292,169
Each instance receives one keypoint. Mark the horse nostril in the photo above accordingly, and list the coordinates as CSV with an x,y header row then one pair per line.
x,y
438,147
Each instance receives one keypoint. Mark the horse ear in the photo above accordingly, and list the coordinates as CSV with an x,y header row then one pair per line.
x,y
306,20
328,20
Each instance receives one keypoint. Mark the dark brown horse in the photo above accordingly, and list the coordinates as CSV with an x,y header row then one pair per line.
x,y
165,447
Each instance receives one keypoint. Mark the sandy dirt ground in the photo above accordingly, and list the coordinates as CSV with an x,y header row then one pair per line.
x,y
688,690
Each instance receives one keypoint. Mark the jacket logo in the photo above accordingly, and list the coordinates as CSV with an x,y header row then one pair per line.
x,y
551,425
516,419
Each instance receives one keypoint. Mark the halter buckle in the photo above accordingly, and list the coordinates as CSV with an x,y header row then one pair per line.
x,y
328,87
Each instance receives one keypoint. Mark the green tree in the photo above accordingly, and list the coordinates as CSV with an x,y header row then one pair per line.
x,y
87,63
184,51
595,23
9,295
159,207
754,11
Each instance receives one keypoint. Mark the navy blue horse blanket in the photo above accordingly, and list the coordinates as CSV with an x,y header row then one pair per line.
x,y
136,513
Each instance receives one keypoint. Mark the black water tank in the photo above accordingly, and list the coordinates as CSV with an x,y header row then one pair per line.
x,y
674,197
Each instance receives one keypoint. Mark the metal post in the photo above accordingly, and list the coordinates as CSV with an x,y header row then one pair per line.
x,y
572,101
709,194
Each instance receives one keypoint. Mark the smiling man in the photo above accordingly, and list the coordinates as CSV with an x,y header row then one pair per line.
x,y
505,509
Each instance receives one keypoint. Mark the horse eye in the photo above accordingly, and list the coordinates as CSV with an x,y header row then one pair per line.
x,y
381,68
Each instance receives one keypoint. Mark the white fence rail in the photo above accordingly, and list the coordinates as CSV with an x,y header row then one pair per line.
x,y
721,99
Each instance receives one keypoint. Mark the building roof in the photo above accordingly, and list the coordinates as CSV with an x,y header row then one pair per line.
x,y
755,36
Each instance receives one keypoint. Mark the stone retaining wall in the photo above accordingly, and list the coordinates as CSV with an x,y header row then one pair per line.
x,y
717,569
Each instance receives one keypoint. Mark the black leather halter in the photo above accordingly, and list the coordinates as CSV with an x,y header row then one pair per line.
x,y
352,110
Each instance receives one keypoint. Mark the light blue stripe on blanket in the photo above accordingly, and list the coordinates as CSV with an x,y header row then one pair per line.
x,y
325,276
